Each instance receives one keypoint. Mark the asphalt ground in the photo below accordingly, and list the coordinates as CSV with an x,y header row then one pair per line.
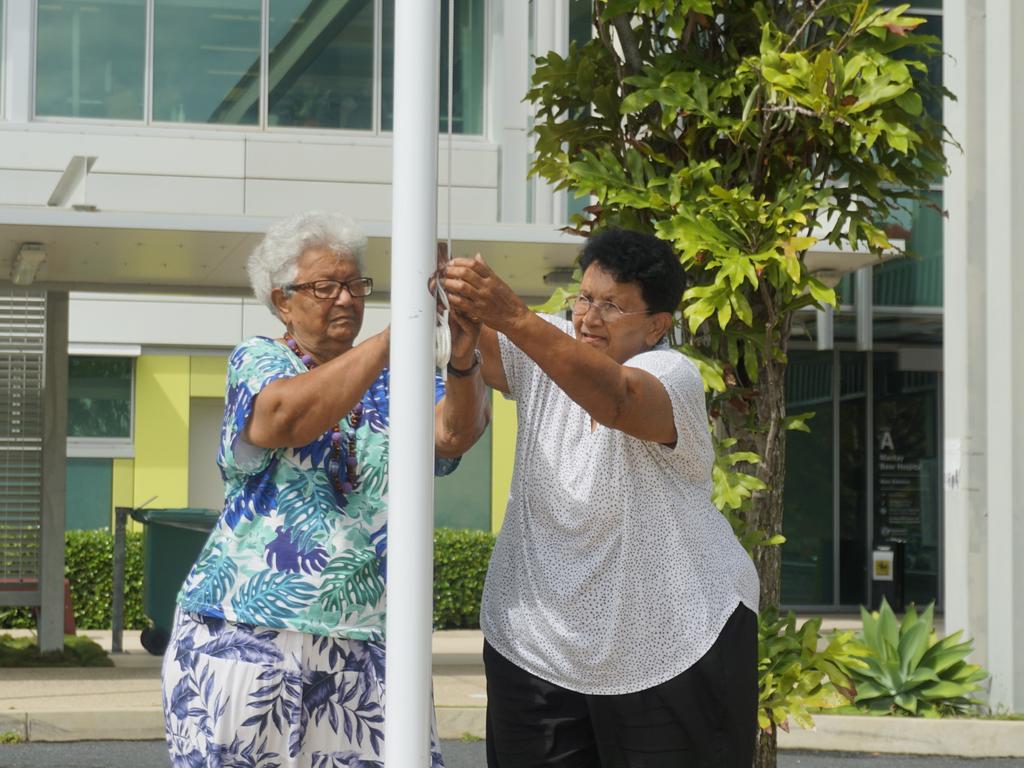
x,y
458,754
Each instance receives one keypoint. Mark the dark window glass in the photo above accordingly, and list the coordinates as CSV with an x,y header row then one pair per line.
x,y
807,555
467,74
321,64
853,502
915,281
907,488
90,58
100,397
206,61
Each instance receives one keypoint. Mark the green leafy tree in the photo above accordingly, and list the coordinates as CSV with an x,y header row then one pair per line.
x,y
744,132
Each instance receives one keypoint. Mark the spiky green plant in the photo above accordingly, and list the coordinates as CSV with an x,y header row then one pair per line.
x,y
910,671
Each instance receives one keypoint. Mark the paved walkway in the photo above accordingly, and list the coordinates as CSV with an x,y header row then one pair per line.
x,y
123,703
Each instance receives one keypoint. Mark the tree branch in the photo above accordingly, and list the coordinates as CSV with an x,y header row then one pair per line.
x,y
627,41
808,20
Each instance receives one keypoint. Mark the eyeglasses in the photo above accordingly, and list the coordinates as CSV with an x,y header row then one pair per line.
x,y
609,312
331,289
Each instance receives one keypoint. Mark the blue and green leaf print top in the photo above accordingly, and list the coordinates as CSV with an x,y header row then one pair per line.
x,y
291,550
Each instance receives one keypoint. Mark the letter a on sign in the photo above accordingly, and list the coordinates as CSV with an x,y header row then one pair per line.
x,y
886,442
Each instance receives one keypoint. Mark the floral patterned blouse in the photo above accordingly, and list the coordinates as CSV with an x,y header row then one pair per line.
x,y
292,549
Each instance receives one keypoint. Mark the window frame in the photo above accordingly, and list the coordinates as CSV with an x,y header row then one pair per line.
x,y
263,127
84,447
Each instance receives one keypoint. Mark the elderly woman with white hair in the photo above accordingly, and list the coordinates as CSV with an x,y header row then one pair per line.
x,y
277,653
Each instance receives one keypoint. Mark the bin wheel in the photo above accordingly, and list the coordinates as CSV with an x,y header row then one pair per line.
x,y
155,640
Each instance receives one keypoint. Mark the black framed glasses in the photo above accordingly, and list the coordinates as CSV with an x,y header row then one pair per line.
x,y
609,312
331,289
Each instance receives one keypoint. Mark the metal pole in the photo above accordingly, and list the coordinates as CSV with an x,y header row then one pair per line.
x,y
411,490
117,599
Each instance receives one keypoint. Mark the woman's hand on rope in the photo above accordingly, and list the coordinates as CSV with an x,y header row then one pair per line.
x,y
479,294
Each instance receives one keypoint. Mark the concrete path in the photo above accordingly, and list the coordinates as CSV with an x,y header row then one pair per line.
x,y
123,703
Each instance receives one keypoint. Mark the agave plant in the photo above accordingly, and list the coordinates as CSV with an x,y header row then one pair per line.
x,y
909,671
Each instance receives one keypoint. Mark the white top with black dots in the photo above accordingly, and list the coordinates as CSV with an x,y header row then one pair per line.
x,y
613,571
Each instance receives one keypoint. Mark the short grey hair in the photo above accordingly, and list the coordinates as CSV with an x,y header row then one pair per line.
x,y
275,261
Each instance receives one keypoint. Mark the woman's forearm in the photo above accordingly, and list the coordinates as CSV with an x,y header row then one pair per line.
x,y
462,415
296,410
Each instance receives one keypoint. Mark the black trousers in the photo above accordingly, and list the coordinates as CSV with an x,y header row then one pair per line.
x,y
704,718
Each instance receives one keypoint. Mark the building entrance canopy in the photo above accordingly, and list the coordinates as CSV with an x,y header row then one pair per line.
x,y
174,253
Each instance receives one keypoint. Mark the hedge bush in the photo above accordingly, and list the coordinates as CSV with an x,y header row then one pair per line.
x,y
88,566
460,564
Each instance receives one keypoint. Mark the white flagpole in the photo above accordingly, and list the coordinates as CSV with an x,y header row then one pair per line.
x,y
411,494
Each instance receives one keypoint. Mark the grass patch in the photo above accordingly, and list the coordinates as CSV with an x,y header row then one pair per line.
x,y
469,737
10,737
78,652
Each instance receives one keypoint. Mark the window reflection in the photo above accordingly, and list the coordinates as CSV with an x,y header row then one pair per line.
x,y
206,61
99,397
467,72
90,58
321,63
807,555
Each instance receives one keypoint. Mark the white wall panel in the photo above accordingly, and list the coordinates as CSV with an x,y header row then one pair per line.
x,y
183,321
264,197
363,202
26,187
368,163
155,320
162,194
148,153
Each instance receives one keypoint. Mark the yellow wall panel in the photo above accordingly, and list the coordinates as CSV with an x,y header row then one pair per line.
x,y
122,490
162,384
208,376
503,452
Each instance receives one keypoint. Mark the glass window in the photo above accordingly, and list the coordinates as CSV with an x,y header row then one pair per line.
x,y
853,500
206,61
907,472
100,397
321,64
90,58
807,555
915,281
467,73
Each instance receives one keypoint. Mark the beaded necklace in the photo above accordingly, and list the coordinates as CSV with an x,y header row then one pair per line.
x,y
354,418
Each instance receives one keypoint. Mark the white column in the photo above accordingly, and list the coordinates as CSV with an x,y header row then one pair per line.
x,y
411,487
55,421
510,115
964,363
1004,222
18,66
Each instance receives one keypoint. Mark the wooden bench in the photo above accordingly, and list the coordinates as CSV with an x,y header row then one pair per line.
x,y
32,585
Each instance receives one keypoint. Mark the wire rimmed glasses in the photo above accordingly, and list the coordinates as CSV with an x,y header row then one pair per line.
x,y
609,312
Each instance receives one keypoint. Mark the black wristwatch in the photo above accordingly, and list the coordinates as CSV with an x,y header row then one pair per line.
x,y
467,371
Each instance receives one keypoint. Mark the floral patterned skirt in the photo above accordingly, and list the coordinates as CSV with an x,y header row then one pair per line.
x,y
239,695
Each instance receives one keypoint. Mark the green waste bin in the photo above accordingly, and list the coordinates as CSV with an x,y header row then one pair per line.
x,y
172,542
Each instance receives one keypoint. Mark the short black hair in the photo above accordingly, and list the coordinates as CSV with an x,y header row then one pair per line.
x,y
636,257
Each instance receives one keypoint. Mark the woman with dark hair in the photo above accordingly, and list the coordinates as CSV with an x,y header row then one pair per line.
x,y
619,611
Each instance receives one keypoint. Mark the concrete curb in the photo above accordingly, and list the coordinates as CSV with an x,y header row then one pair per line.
x,y
832,733
910,736
135,724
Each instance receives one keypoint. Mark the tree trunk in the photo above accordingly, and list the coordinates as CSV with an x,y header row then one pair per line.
x,y
767,508
771,445
767,748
